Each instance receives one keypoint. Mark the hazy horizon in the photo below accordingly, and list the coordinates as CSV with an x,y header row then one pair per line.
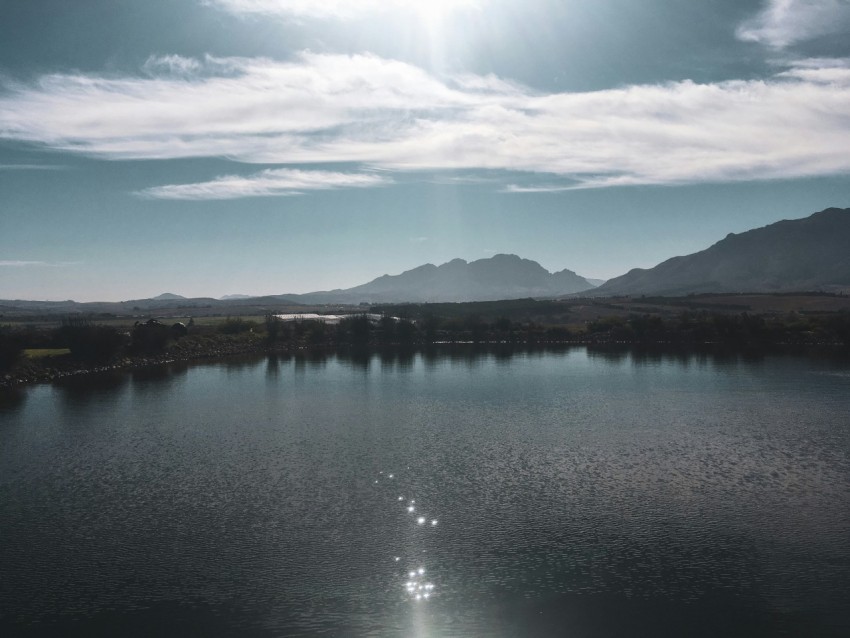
x,y
237,294
215,147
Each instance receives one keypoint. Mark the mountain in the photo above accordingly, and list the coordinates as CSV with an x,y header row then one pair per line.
x,y
499,277
810,254
167,296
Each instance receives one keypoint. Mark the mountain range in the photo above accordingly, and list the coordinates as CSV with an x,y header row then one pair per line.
x,y
810,254
499,277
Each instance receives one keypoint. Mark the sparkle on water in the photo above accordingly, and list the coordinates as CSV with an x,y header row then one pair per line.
x,y
416,589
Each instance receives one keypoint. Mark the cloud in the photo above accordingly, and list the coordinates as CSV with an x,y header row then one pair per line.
x,y
335,9
176,65
387,114
17,263
785,22
543,188
268,183
14,263
31,167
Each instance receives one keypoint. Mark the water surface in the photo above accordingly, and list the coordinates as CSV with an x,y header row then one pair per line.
x,y
565,492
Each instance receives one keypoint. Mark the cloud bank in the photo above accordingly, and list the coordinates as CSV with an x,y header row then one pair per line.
x,y
272,182
388,114
783,23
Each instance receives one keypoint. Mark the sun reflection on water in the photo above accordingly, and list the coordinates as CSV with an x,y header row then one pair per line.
x,y
416,587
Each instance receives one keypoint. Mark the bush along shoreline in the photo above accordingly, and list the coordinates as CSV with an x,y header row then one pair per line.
x,y
79,346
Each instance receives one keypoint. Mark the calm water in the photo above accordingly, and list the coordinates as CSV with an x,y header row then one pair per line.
x,y
564,493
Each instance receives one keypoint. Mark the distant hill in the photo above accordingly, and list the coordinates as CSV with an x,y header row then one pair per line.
x,y
494,279
810,254
167,296
499,277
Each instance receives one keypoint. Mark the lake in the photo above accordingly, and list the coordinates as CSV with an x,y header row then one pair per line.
x,y
456,492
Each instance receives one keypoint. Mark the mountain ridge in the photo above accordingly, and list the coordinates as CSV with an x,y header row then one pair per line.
x,y
503,276
811,254
499,277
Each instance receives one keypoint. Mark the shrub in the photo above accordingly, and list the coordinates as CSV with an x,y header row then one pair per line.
x,y
88,341
150,337
11,348
356,328
236,325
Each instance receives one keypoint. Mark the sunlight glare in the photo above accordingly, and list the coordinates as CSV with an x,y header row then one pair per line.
x,y
427,10
432,11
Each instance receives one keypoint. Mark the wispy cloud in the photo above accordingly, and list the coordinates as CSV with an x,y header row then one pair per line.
x,y
783,23
18,263
334,9
31,167
272,182
176,65
542,188
388,114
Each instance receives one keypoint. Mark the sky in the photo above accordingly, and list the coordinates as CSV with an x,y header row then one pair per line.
x,y
213,147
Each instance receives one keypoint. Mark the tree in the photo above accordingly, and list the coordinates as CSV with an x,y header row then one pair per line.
x,y
273,327
356,328
11,348
388,325
88,341
150,337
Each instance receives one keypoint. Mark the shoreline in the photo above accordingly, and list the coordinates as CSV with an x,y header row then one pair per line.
x,y
51,369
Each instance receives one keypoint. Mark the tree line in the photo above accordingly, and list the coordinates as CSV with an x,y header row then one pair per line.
x,y
89,341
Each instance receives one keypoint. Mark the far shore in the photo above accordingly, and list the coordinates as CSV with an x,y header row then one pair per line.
x,y
55,368
34,350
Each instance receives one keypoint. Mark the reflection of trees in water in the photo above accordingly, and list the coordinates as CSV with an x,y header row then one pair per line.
x,y
273,364
160,373
357,357
681,355
153,379
469,355
430,356
240,363
397,359
474,354
11,399
86,389
309,359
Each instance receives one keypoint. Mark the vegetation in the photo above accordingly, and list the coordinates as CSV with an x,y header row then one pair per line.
x,y
80,343
88,341
11,347
729,329
149,338
237,325
40,353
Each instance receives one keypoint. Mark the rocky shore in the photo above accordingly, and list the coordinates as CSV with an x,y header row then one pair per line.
x,y
52,368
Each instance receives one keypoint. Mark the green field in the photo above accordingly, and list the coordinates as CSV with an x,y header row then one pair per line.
x,y
40,353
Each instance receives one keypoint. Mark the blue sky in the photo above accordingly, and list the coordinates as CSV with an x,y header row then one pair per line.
x,y
209,147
